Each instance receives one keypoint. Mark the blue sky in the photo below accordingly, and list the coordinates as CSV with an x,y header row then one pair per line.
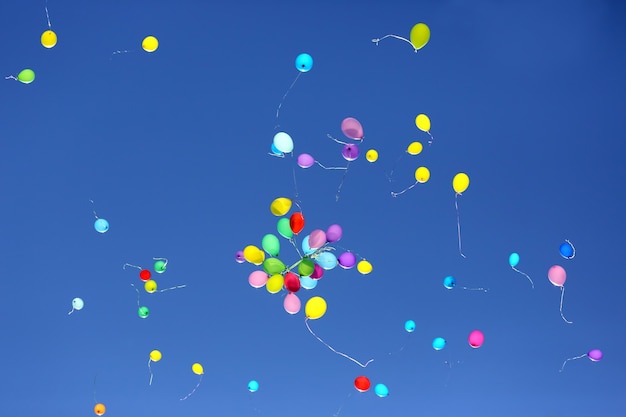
x,y
527,98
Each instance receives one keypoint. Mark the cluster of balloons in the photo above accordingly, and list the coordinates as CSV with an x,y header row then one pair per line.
x,y
150,284
363,384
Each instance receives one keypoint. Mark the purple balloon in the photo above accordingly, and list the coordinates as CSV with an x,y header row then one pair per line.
x,y
239,257
318,271
334,233
350,152
305,160
347,260
352,128
595,355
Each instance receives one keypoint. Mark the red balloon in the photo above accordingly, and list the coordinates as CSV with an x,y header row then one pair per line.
x,y
296,222
362,383
292,282
144,275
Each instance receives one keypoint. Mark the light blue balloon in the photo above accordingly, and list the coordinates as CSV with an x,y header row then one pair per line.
x,y
283,142
304,62
101,225
308,283
327,260
253,386
381,390
305,246
449,282
275,150
513,259
409,326
439,343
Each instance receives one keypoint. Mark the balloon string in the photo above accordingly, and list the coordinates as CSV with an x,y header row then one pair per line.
x,y
342,405
430,142
295,183
47,15
94,211
150,370
571,359
162,259
71,311
343,178
325,167
10,77
131,265
476,289
172,288
337,140
133,285
376,40
573,249
526,275
394,195
284,97
194,390
306,321
561,307
458,222
394,167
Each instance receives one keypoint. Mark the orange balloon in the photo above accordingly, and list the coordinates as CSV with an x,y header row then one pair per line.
x,y
99,409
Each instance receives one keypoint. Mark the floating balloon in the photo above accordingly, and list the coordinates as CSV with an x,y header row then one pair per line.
x,y
253,386
306,248
257,279
197,369
291,282
48,39
422,175
594,355
292,303
275,151
350,152
317,239
409,326
364,267
283,142
439,343
381,390
144,275
275,283
371,155
414,148
347,260
304,62
557,276
239,257
315,308
306,267
567,250
150,286
420,35
305,160
318,271
155,356
160,265
273,266
271,244
253,255
325,260
308,283
460,182
476,339
449,282
334,233
284,229
513,261
99,409
352,128
362,383
101,225
423,123
150,44
280,206
77,304
296,222
143,312
26,76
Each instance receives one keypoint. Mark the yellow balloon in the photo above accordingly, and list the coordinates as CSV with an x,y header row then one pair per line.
x,y
422,174
253,255
364,267
48,39
371,155
150,286
197,369
422,122
315,308
280,206
150,44
460,182
155,356
415,148
275,283
420,35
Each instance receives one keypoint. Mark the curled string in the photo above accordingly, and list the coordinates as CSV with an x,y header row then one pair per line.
x,y
336,140
285,96
394,195
458,222
162,259
571,359
71,311
194,389
306,321
573,249
150,370
131,265
561,307
476,289
376,40
526,275
11,77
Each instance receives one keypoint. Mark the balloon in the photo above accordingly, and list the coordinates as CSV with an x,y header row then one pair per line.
x,y
381,390
99,409
257,279
422,174
308,283
275,150
296,222
197,369
78,303
273,266
48,39
160,266
326,261
144,275
364,267
305,160
253,386
350,152
280,206
143,312
306,267
449,282
283,142
422,122
275,283
567,250
595,355
352,128
420,35
155,356
253,255
318,271
271,244
304,62
415,148
439,343
334,233
347,260
101,225
239,257
150,286
306,248
291,303
476,339
362,383
371,155
557,275
292,282
315,308
460,182
317,239
284,229
409,326
150,44
513,259
27,76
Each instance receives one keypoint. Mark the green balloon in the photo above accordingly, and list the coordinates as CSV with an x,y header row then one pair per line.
x,y
271,244
306,267
159,267
284,228
26,76
273,266
143,312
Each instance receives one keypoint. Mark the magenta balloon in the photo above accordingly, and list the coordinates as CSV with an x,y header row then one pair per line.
x,y
476,339
347,260
334,233
305,160
350,152
292,303
257,279
239,257
352,128
595,355
557,275
318,272
317,239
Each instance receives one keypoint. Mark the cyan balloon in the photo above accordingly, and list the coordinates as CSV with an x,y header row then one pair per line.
x,y
327,260
381,390
449,282
304,62
275,150
283,142
253,386
308,283
305,246
513,259
409,326
101,225
439,343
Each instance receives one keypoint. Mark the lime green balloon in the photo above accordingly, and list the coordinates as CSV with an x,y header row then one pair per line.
x,y
26,76
159,267
284,228
306,267
273,266
271,244
143,312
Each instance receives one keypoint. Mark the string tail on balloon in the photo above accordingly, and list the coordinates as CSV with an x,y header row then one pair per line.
x,y
561,307
526,275
376,40
47,15
476,289
133,285
390,175
194,389
306,321
94,210
150,370
162,259
336,140
458,222
172,288
10,77
431,140
571,359
325,167
285,97
133,266
394,195
573,249
71,311
343,178
295,183
342,405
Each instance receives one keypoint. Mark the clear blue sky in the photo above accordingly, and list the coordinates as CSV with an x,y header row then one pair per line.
x,y
527,98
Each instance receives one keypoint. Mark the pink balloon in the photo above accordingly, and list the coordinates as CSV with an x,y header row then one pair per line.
x,y
557,275
292,303
334,233
317,239
595,355
352,128
347,260
318,271
305,160
257,279
476,339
